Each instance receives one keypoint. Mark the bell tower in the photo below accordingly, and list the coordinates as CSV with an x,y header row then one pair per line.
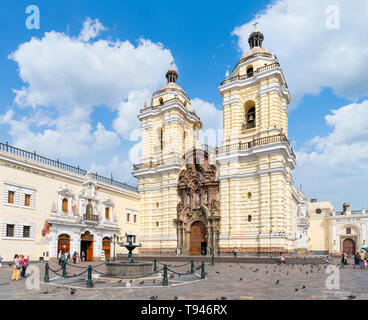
x,y
256,160
169,130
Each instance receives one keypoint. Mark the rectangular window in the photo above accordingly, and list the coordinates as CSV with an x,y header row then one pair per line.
x,y
11,196
26,231
27,200
348,230
128,217
10,230
135,218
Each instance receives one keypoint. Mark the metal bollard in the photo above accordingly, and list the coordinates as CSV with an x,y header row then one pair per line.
x,y
192,267
154,265
46,278
165,281
64,270
203,273
89,277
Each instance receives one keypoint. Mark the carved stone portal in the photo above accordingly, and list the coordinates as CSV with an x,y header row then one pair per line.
x,y
198,213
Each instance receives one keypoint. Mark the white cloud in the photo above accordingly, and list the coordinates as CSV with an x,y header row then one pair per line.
x,y
105,139
336,166
91,29
65,77
312,55
211,118
128,111
120,170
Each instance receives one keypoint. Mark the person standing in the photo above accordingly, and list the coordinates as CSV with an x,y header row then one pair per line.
x,y
235,252
356,260
24,265
16,268
362,258
1,259
342,259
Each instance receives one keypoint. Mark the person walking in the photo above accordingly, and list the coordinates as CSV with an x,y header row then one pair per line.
x,y
356,260
235,252
1,259
77,257
74,257
362,258
342,260
24,265
282,258
16,268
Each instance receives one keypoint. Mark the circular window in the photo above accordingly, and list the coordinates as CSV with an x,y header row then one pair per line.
x,y
318,211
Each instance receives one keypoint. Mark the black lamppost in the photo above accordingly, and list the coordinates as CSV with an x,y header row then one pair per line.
x,y
218,242
213,247
114,245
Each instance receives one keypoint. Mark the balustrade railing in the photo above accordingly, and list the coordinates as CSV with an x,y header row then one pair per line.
x,y
251,75
5,147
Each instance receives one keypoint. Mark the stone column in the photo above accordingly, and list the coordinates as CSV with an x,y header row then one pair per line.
x,y
334,238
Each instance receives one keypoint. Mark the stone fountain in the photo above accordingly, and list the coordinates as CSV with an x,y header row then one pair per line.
x,y
129,268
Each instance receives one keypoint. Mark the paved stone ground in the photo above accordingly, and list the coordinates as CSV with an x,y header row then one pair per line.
x,y
259,281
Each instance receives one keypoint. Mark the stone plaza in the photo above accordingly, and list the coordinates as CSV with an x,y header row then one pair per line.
x,y
297,280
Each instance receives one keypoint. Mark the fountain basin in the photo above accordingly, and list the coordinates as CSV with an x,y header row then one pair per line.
x,y
125,269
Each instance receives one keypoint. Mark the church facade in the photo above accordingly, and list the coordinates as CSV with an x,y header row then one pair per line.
x,y
196,199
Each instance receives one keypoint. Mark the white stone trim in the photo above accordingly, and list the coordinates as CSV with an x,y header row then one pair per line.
x,y
18,230
241,84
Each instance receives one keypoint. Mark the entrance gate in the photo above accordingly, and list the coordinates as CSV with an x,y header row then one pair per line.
x,y
197,238
87,245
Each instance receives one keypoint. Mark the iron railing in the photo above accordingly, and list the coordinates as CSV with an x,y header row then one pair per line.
x,y
254,143
154,164
5,147
90,217
250,75
259,54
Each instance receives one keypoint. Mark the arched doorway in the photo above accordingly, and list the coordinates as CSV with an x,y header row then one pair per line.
x,y
198,240
349,246
63,244
106,246
87,245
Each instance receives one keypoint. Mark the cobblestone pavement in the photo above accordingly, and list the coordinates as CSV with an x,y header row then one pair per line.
x,y
229,281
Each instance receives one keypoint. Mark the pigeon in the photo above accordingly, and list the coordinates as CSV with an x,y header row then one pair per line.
x,y
351,297
153,281
277,282
217,272
175,298
223,298
153,298
303,287
72,291
241,278
295,290
141,282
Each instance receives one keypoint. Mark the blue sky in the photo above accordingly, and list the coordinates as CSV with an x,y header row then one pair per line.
x,y
204,39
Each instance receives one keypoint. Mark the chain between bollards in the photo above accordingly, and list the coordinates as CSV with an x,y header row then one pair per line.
x,y
203,273
89,277
165,281
46,278
192,266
